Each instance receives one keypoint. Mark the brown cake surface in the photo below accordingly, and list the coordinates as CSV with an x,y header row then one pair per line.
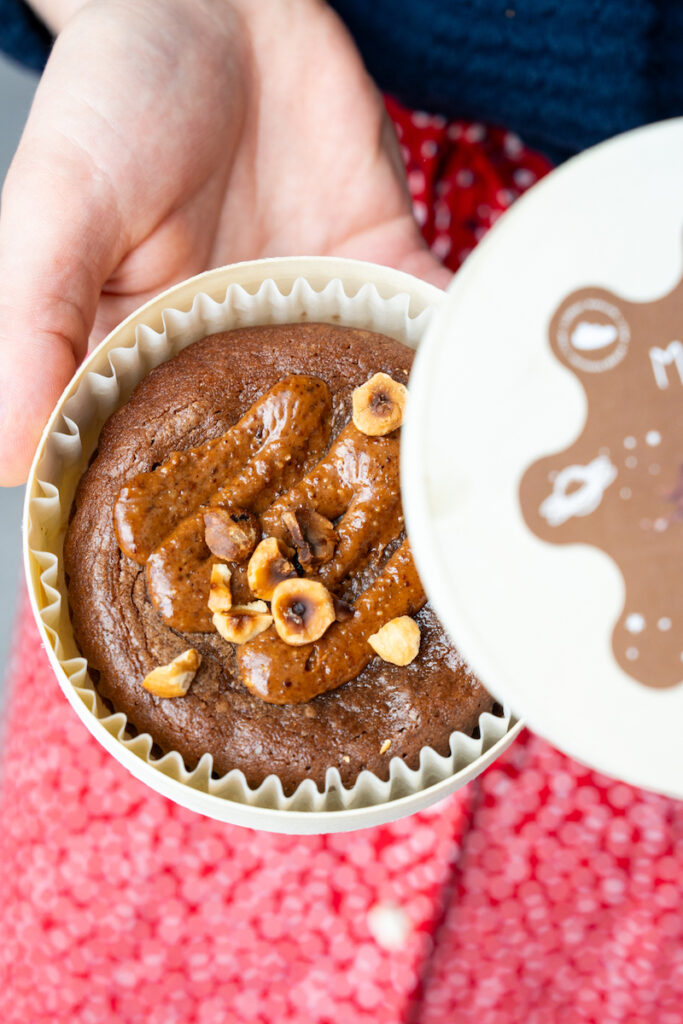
x,y
180,405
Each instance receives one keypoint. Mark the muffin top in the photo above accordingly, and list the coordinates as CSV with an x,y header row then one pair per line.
x,y
241,521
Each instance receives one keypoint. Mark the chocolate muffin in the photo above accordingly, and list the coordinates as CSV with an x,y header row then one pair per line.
x,y
238,540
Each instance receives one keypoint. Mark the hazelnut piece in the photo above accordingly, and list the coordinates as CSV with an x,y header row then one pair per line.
x,y
230,533
302,611
378,405
342,609
243,622
398,641
268,566
173,680
220,595
313,536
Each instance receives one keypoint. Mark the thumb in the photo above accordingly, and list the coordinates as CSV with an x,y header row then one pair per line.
x,y
397,243
58,235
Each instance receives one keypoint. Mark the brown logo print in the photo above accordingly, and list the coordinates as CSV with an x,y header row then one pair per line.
x,y
619,486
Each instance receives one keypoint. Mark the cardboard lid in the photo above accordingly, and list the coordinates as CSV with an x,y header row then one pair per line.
x,y
543,458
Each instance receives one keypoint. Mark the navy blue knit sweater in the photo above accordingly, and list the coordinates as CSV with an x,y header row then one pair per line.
x,y
563,73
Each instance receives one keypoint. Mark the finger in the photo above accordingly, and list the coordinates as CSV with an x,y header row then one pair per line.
x,y
60,238
397,243
56,241
174,251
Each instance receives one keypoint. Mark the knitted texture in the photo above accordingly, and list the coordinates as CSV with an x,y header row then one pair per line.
x,y
22,36
564,73
541,893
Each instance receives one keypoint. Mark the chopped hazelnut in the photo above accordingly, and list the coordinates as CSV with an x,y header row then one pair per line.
x,y
398,641
268,566
230,533
378,405
243,622
173,680
302,611
385,746
342,609
220,595
313,536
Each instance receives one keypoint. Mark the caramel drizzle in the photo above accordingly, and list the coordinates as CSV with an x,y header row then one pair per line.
x,y
347,484
280,674
158,516
288,423
276,447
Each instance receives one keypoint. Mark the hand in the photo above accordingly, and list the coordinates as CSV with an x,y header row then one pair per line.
x,y
169,137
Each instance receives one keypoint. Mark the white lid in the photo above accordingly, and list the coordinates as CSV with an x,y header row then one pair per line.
x,y
557,360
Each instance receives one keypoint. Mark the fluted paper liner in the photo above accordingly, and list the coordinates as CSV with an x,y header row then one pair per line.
x,y
289,291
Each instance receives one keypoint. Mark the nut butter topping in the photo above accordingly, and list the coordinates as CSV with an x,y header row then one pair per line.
x,y
340,512
159,517
281,674
358,480
284,430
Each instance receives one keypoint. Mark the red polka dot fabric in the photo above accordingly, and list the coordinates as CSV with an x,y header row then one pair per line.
x,y
462,177
542,893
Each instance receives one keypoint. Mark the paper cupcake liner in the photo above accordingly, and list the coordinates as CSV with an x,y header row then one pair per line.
x,y
289,291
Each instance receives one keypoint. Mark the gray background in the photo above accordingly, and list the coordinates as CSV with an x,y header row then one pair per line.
x,y
16,92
